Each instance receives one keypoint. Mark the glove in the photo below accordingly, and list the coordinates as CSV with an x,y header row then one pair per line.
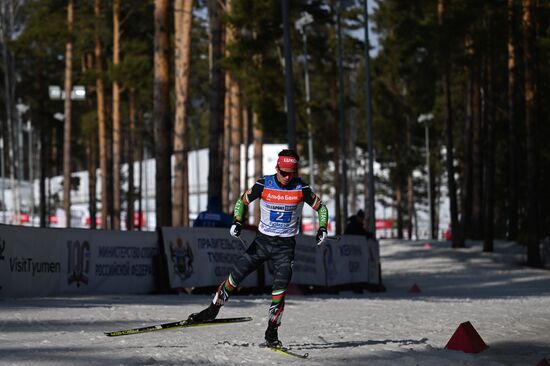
x,y
321,235
235,229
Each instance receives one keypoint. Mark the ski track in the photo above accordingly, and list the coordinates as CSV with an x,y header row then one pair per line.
x,y
509,305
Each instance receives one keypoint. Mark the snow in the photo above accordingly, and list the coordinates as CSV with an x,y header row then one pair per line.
x,y
508,304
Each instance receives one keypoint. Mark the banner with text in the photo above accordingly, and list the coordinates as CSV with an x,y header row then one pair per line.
x,y
38,262
199,257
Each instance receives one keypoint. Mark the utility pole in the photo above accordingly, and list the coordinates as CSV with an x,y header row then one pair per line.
x,y
31,176
289,85
301,25
372,208
425,119
342,116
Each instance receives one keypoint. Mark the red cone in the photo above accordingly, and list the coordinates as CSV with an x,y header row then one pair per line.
x,y
427,246
466,339
543,362
414,288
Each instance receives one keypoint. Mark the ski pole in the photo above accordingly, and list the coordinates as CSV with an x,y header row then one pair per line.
x,y
244,245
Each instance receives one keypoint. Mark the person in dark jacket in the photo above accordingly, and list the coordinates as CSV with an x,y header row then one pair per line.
x,y
213,216
356,225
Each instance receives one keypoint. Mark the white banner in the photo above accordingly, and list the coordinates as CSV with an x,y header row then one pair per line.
x,y
38,262
346,261
199,257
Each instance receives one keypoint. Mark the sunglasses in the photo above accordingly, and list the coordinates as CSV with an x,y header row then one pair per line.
x,y
285,174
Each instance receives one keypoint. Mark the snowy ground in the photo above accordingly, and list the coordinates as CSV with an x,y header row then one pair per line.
x,y
508,305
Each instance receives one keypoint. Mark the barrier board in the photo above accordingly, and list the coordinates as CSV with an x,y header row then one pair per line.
x,y
39,262
200,257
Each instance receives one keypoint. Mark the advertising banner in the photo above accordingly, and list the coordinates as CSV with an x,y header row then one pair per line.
x,y
39,262
199,257
346,260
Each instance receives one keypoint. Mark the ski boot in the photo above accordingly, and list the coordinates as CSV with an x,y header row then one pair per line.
x,y
272,337
207,314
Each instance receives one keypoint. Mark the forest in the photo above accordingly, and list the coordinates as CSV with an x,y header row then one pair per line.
x,y
162,78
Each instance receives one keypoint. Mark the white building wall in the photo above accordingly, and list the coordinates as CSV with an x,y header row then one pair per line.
x,y
198,189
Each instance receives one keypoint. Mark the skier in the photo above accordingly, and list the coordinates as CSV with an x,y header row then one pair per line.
x,y
281,201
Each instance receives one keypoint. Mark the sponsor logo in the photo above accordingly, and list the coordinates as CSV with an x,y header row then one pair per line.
x,y
282,197
289,160
182,259
78,262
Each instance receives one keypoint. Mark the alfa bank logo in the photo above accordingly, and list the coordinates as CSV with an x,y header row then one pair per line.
x,y
282,197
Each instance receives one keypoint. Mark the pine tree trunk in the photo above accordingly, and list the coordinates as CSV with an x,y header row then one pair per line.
x,y
399,209
458,240
116,118
43,158
513,150
257,133
410,206
339,221
410,190
161,110
138,156
533,252
226,184
489,170
103,166
467,186
131,159
91,145
366,185
477,160
9,97
183,17
92,168
215,137
246,143
67,112
236,140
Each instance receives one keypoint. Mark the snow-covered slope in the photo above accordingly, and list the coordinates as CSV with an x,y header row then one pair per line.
x,y
509,306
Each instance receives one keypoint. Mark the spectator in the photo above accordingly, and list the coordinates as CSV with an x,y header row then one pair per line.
x,y
356,225
213,216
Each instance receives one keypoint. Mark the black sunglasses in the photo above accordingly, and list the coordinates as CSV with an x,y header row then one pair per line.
x,y
285,174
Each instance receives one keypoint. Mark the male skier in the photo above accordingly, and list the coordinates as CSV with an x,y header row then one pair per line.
x,y
281,201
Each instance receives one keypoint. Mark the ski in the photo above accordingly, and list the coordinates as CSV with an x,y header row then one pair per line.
x,y
286,351
176,325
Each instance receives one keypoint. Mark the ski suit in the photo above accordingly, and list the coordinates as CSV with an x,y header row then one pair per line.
x,y
280,213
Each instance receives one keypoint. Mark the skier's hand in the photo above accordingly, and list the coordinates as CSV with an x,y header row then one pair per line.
x,y
235,229
321,235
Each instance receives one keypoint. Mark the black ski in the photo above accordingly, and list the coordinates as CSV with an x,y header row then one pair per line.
x,y
286,351
176,325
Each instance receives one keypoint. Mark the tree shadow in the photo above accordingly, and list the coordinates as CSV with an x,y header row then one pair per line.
x,y
458,273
